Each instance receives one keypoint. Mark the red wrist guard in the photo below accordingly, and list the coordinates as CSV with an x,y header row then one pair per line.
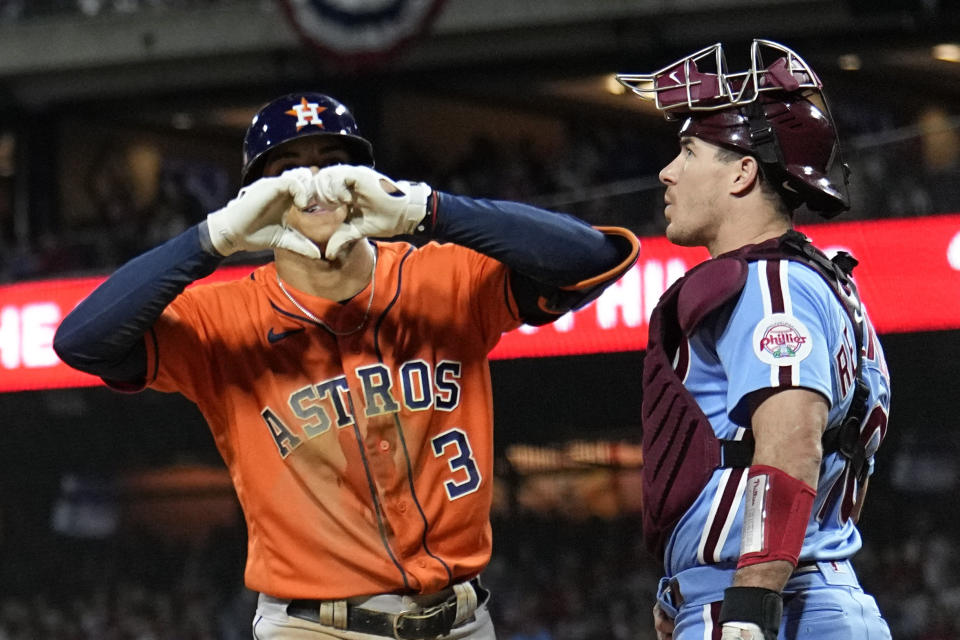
x,y
776,512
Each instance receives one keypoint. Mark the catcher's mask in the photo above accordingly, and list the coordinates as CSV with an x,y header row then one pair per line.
x,y
776,113
294,116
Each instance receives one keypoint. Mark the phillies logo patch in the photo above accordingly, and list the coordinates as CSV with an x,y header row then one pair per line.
x,y
781,339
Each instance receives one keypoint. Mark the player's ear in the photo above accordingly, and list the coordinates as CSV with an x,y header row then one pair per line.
x,y
745,174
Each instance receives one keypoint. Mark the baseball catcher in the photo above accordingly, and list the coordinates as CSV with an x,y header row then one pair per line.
x,y
765,390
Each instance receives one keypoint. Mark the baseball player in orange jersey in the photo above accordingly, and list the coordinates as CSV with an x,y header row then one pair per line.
x,y
346,383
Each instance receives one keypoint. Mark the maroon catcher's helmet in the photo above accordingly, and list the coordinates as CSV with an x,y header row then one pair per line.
x,y
776,113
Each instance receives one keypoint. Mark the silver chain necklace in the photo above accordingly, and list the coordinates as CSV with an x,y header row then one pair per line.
x,y
366,312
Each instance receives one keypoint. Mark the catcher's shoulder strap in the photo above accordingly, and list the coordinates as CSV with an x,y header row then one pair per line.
x,y
837,272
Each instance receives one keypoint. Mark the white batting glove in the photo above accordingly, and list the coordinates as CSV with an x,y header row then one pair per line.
x,y
740,631
254,219
380,206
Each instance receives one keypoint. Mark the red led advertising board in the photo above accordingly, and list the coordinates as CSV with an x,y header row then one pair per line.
x,y
909,277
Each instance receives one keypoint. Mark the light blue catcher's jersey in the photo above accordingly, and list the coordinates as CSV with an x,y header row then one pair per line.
x,y
787,329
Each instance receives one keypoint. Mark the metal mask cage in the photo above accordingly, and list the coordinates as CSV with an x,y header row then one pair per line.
x,y
684,87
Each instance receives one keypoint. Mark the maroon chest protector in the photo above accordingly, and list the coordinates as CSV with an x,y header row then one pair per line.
x,y
680,449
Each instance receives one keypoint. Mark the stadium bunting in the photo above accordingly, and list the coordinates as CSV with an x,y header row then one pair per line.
x,y
359,33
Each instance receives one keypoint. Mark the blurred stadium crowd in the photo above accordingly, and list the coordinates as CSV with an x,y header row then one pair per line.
x,y
575,580
606,174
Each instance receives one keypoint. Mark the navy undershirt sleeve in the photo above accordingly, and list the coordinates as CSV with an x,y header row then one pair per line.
x,y
551,248
104,334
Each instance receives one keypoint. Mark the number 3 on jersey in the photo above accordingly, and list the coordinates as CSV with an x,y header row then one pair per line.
x,y
460,458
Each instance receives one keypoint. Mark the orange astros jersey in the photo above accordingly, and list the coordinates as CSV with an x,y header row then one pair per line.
x,y
363,462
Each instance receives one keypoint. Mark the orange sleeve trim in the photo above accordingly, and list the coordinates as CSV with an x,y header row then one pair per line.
x,y
634,250
629,245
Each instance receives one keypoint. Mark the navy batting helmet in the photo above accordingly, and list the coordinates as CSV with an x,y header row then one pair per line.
x,y
776,113
294,116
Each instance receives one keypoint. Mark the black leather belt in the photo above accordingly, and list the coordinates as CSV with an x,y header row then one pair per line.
x,y
432,622
807,566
